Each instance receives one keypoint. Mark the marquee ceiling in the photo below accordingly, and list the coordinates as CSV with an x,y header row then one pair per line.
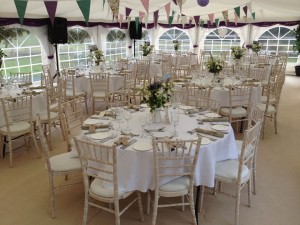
x,y
265,10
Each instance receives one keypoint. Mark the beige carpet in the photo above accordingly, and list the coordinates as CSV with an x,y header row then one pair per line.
x,y
24,188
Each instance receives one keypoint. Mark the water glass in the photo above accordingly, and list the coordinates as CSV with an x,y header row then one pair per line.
x,y
175,120
119,117
127,117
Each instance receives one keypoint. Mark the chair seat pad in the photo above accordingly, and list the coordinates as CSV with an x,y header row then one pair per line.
x,y
17,128
264,99
262,107
179,184
235,112
64,162
264,82
69,93
228,169
98,188
53,116
99,94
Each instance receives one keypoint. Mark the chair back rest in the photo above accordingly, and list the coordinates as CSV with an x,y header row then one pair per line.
x,y
118,98
44,143
208,104
257,73
251,137
71,117
122,64
53,99
46,79
255,116
129,79
17,109
180,96
240,95
99,82
98,161
175,158
22,78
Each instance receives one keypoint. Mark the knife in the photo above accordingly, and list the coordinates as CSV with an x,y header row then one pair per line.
x,y
129,143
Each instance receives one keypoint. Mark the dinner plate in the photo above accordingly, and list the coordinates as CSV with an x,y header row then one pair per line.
x,y
162,134
99,136
186,107
141,146
144,106
212,115
90,121
220,127
205,141
155,127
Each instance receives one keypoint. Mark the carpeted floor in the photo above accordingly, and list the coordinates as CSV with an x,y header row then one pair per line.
x,y
24,198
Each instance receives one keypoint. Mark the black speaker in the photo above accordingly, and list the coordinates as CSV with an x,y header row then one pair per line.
x,y
58,32
133,33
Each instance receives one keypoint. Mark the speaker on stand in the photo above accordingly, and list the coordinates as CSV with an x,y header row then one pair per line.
x,y
135,34
57,34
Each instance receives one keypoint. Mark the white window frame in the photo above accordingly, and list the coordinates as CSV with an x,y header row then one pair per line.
x,y
168,45
115,46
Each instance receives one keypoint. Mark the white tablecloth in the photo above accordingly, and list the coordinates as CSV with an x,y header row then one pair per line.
x,y
135,168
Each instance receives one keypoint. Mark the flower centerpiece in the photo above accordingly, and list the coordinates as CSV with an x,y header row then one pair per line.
x,y
256,46
214,65
176,45
237,52
146,48
157,94
97,56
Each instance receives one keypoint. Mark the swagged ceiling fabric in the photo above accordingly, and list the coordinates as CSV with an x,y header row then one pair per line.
x,y
265,10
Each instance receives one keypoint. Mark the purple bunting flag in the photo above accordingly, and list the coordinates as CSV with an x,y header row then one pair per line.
x,y
51,9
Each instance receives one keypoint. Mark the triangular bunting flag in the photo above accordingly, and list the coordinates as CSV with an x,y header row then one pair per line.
x,y
155,18
141,16
183,20
201,23
208,23
137,20
127,11
21,8
120,20
217,22
190,20
211,17
245,9
51,9
85,9
171,18
235,18
114,5
103,5
146,5
197,19
168,8
237,11
253,15
225,15
128,22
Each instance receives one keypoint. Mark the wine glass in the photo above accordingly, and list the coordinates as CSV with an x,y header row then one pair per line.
x,y
175,120
119,117
7,86
127,117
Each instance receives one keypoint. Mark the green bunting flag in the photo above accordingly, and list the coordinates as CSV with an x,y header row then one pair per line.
x,y
21,8
201,23
103,5
171,18
137,20
238,11
217,22
253,15
85,6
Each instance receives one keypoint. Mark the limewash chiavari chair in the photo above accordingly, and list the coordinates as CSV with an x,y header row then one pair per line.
x,y
63,164
183,66
196,92
257,73
239,172
22,78
180,97
122,64
174,160
239,103
119,98
100,174
99,83
208,104
19,122
142,72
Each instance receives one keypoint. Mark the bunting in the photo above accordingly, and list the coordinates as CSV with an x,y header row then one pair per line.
x,y
201,23
225,16
146,5
51,9
168,9
208,24
120,20
127,12
197,19
155,18
217,22
190,21
85,9
171,18
245,9
237,11
103,5
141,16
137,20
114,5
211,18
146,21
128,21
253,15
21,8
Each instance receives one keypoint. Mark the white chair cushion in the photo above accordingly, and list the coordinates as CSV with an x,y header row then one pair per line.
x,y
179,184
99,94
69,93
235,112
98,188
264,99
64,162
228,169
17,127
262,107
264,82
44,116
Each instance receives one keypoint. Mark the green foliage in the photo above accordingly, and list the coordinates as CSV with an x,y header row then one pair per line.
x,y
214,65
146,48
256,47
296,45
97,56
238,52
